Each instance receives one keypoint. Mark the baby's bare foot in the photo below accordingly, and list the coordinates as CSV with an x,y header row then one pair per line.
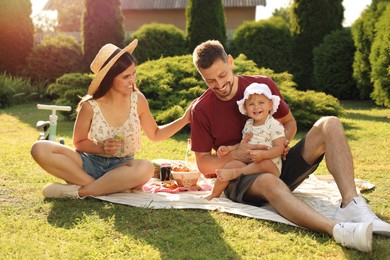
x,y
226,174
210,196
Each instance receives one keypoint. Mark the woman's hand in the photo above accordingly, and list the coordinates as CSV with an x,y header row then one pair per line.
x,y
286,149
111,146
187,113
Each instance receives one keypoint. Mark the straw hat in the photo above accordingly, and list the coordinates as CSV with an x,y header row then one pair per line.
x,y
104,60
257,88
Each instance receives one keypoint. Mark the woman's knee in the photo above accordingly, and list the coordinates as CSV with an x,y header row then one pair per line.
x,y
145,167
38,149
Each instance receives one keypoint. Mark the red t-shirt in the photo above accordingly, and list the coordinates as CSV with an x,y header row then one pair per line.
x,y
216,122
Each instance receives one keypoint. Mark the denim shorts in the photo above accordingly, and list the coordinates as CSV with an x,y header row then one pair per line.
x,y
96,166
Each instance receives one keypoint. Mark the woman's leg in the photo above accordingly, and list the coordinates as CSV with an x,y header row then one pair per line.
x,y
131,175
60,161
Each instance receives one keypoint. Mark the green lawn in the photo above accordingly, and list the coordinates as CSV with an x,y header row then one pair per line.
x,y
36,228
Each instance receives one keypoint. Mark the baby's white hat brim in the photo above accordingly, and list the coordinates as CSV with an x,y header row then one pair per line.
x,y
258,88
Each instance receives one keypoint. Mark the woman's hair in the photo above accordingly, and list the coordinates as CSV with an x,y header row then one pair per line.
x,y
123,62
206,53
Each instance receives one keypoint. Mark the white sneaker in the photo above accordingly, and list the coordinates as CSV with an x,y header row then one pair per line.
x,y
358,211
354,235
58,191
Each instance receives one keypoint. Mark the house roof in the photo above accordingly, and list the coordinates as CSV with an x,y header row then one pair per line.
x,y
169,4
181,4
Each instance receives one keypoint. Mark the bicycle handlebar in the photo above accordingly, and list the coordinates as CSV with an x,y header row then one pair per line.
x,y
54,107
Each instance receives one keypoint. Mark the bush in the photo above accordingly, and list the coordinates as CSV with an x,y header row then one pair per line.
x,y
16,90
306,106
158,40
171,84
170,81
174,81
333,59
53,57
70,88
266,42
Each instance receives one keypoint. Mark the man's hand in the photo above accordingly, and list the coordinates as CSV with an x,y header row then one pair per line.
x,y
257,155
243,151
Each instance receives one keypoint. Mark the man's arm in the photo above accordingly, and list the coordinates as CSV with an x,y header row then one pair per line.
x,y
290,125
208,162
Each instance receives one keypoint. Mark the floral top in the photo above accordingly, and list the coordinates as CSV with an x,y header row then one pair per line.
x,y
265,134
129,133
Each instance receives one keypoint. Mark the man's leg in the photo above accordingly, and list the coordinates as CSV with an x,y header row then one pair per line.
x,y
327,136
271,188
289,206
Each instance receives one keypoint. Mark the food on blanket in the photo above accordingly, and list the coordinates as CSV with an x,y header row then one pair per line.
x,y
180,168
171,184
185,178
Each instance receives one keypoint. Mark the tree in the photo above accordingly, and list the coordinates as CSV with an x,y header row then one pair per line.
x,y
380,59
69,15
17,35
310,22
102,23
363,32
332,65
205,21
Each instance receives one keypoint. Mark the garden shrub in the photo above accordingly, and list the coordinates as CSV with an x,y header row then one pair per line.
x,y
306,106
174,81
53,57
332,65
16,90
70,88
158,40
267,42
171,84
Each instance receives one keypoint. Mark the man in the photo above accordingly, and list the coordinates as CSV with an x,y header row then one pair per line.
x,y
217,121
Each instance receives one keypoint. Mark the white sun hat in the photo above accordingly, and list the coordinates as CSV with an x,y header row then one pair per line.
x,y
257,88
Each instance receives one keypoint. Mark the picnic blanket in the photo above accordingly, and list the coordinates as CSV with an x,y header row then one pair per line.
x,y
320,193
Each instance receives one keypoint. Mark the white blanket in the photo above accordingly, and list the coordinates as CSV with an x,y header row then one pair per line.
x,y
322,195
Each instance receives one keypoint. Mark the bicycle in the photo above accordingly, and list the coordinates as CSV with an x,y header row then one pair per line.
x,y
49,128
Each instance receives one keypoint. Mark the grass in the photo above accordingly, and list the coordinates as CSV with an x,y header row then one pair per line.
x,y
36,228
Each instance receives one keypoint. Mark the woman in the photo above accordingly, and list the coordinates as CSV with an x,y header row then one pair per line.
x,y
107,133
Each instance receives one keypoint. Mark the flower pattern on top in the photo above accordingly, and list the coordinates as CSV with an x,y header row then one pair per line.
x,y
265,134
129,132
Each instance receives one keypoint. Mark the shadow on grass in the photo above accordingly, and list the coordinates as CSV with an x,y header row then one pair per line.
x,y
176,233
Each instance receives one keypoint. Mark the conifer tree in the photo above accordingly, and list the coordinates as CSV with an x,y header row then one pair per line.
x,y
17,35
205,21
102,23
310,22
